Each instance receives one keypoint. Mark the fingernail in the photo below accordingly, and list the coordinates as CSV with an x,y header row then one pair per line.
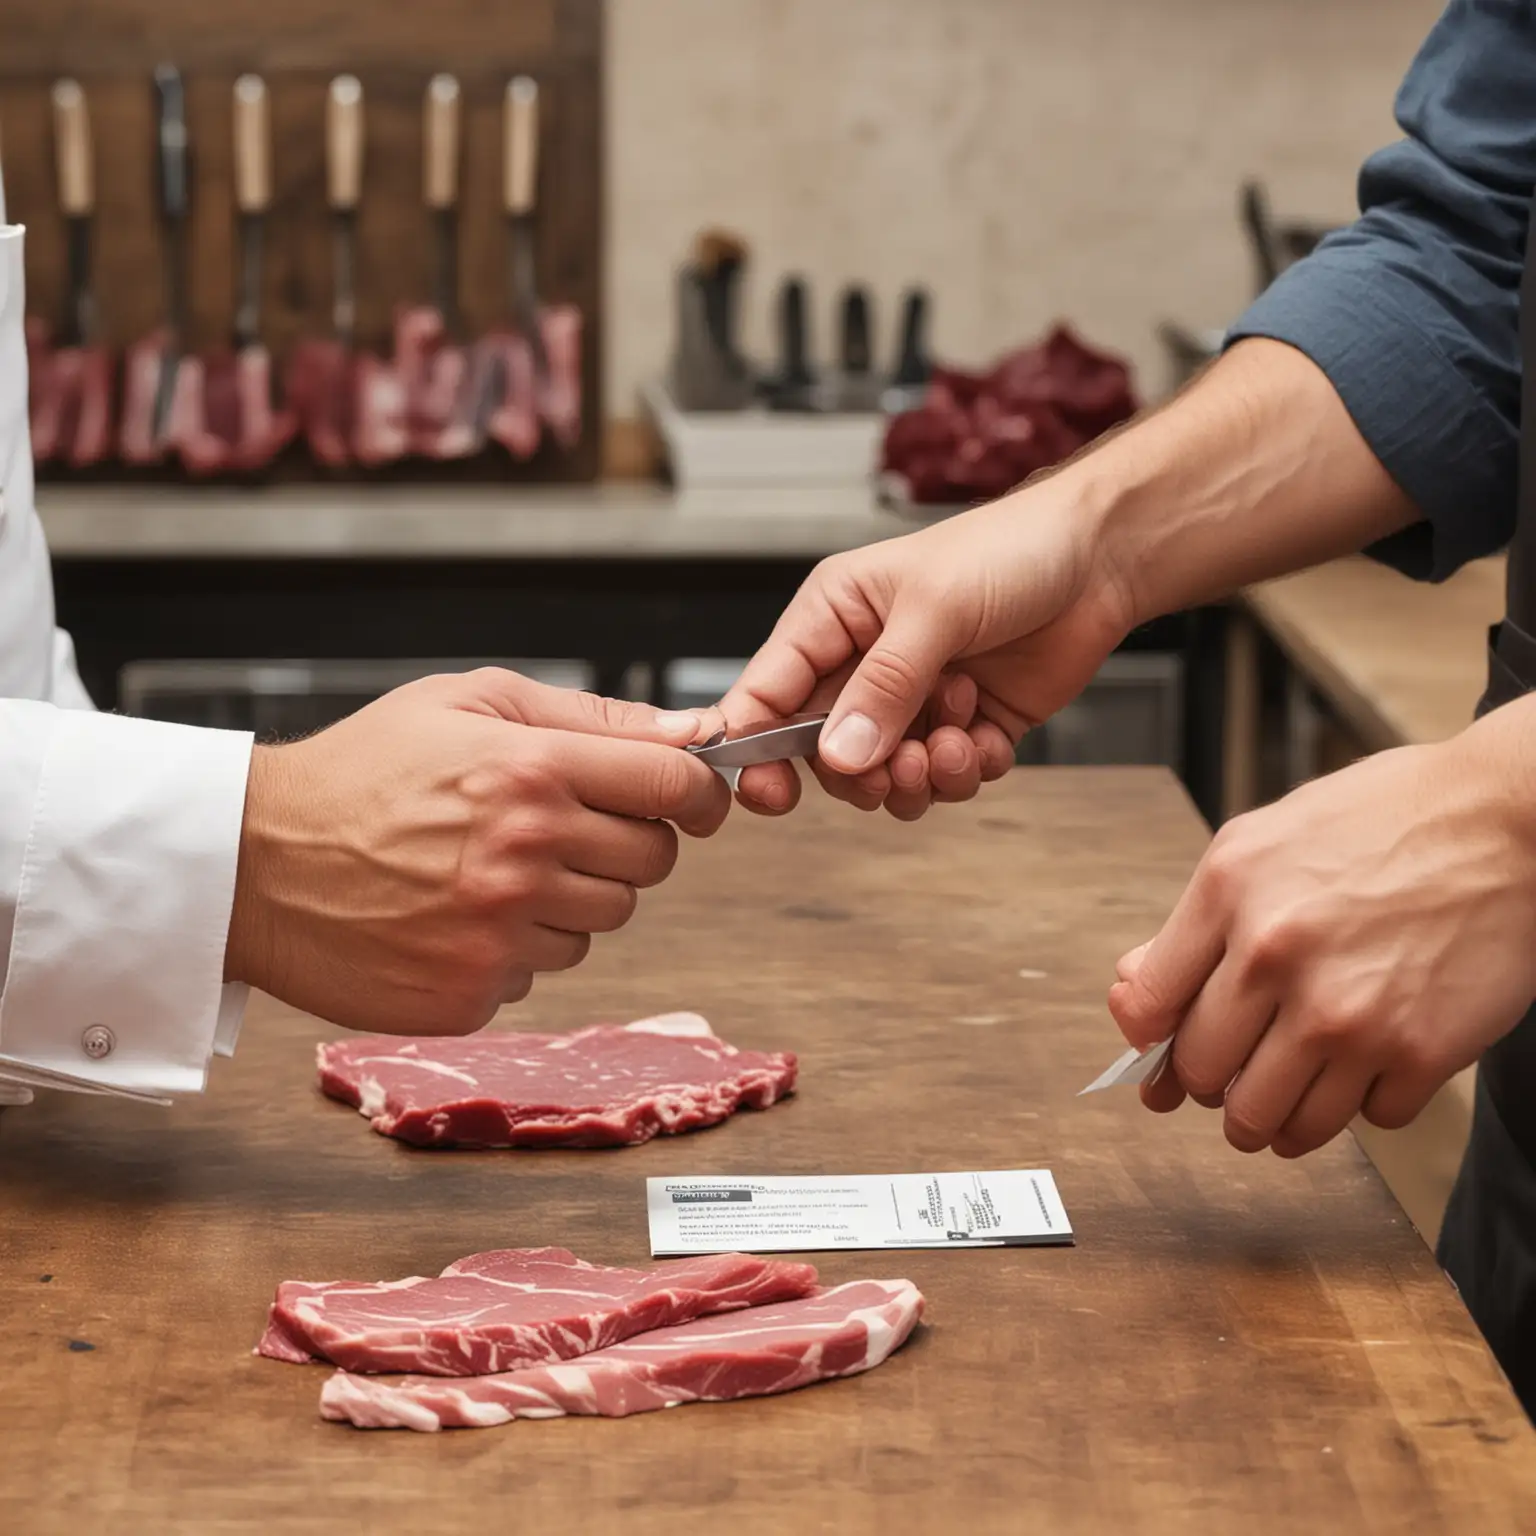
x,y
775,797
954,694
672,724
950,756
907,773
852,742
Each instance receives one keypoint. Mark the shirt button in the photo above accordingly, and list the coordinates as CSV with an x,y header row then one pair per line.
x,y
98,1041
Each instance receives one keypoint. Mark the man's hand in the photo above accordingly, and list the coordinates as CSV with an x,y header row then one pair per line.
x,y
1351,947
410,868
937,651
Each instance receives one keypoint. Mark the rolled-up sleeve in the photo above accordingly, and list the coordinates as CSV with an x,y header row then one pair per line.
x,y
1413,310
119,840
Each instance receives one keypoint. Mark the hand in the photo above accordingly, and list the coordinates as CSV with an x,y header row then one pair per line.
x,y
410,868
1351,947
937,651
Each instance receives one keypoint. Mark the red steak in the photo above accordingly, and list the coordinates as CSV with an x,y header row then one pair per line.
x,y
611,1085
752,1353
516,1307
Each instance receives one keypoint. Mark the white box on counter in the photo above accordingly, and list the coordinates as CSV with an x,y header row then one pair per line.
x,y
759,447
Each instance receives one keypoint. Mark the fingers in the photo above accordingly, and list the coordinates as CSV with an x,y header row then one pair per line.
x,y
642,780
552,949
954,764
911,792
577,903
769,789
1398,1098
519,698
995,748
1162,1093
1173,969
1326,1109
517,986
617,848
1219,1033
1270,1087
809,642
890,685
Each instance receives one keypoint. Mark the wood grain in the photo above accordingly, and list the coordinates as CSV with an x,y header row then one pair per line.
x,y
1399,660
1233,1345
298,46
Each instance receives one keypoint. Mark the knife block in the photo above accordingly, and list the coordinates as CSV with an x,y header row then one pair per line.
x,y
297,46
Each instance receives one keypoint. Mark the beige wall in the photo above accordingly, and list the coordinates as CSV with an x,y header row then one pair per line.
x,y
1026,159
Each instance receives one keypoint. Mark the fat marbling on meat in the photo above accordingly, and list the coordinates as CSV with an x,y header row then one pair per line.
x,y
753,1353
610,1085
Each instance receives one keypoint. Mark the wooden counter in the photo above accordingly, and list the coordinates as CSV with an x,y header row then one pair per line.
x,y
1400,661
1234,1343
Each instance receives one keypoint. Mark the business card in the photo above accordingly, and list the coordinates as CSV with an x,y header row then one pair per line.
x,y
1012,1208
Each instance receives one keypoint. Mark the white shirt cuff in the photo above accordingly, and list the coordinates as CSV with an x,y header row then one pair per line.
x,y
115,979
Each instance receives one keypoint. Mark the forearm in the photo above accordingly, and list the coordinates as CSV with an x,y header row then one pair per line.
x,y
1254,471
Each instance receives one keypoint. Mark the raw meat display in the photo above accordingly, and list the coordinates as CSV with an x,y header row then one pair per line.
x,y
515,1307
321,389
70,400
137,442
763,1350
222,416
610,1085
976,436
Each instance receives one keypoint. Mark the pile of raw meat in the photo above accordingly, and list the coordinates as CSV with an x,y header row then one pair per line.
x,y
607,1086
433,399
538,1333
978,435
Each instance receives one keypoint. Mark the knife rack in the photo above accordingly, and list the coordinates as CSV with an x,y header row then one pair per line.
x,y
298,46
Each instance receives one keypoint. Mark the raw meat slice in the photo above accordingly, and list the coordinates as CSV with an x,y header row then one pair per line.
x,y
762,1350
610,1085
137,443
514,418
321,388
514,1307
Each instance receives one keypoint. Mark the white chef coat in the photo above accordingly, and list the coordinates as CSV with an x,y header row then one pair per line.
x,y
118,837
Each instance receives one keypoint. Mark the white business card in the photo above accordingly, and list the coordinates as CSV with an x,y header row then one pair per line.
x,y
1016,1207
1133,1067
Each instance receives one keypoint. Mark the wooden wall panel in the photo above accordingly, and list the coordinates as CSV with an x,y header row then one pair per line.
x,y
299,45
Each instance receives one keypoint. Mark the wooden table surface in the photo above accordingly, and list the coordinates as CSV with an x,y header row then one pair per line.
x,y
1401,661
1233,1344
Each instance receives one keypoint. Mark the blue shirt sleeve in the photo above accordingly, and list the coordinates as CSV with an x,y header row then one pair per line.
x,y
1413,310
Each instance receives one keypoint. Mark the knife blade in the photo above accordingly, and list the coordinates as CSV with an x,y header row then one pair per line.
x,y
784,739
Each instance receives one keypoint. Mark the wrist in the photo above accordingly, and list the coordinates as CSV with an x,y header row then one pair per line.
x,y
1497,757
248,950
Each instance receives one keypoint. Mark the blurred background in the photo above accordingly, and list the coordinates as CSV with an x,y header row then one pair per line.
x,y
368,340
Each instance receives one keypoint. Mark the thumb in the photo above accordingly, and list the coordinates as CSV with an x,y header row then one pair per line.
x,y
889,686
519,698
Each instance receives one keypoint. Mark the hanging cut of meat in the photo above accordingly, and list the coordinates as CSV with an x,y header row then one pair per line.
x,y
610,1085
515,1307
435,374
514,417
321,388
142,366
977,435
763,1350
